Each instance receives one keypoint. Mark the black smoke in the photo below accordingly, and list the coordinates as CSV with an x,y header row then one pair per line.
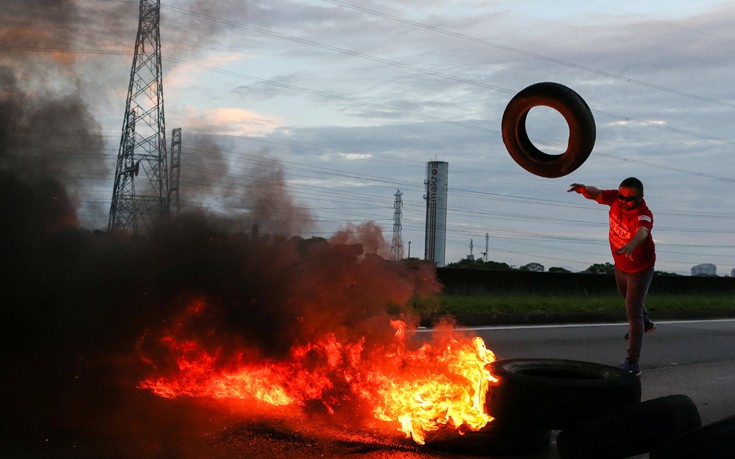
x,y
78,303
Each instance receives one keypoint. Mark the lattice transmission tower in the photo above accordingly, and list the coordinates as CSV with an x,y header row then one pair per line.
x,y
396,246
140,197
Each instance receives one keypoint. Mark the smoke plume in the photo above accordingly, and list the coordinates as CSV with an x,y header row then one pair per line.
x,y
248,192
78,304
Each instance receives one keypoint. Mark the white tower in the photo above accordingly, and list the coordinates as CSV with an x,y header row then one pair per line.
x,y
437,173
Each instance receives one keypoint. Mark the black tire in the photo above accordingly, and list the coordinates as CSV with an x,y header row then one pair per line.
x,y
712,441
558,394
630,431
573,108
493,439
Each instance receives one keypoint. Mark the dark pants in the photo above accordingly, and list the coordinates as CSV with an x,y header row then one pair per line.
x,y
634,287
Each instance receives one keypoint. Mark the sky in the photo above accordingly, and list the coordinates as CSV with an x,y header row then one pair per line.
x,y
323,110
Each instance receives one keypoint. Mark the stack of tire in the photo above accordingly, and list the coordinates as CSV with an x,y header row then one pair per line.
x,y
535,396
598,411
665,428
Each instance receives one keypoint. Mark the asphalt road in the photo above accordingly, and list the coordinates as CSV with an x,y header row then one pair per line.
x,y
694,358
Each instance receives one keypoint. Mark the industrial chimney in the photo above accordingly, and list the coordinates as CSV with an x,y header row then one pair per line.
x,y
437,173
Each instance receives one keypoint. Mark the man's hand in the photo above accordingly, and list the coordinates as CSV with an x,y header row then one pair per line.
x,y
577,187
589,192
640,235
627,250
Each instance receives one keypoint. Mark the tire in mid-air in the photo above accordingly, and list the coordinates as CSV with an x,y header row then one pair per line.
x,y
557,394
575,111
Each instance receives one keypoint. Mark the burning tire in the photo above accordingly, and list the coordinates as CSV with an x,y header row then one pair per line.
x,y
630,431
493,439
558,394
575,111
712,441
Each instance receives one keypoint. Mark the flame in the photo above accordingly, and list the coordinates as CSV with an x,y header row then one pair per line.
x,y
447,387
420,390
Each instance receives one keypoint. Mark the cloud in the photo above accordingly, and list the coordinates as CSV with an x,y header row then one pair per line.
x,y
394,86
185,76
230,121
355,156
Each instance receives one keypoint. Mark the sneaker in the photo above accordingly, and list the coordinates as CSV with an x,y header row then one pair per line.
x,y
630,367
649,328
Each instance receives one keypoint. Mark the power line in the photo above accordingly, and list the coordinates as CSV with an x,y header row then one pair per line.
x,y
389,108
449,76
301,171
668,23
351,100
532,54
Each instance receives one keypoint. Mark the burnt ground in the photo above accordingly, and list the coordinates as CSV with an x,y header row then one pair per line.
x,y
97,414
49,411
133,423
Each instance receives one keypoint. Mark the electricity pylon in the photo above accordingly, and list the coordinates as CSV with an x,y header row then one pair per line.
x,y
139,204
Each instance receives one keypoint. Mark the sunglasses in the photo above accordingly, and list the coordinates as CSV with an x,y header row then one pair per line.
x,y
627,198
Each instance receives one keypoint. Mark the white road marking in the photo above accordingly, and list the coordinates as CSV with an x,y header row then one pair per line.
x,y
587,325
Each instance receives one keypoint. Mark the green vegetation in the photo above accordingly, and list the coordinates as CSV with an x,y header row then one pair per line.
x,y
509,303
476,263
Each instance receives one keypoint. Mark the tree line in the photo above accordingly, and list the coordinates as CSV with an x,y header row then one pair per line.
x,y
473,263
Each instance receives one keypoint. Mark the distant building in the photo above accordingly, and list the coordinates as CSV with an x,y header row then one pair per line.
x,y
704,269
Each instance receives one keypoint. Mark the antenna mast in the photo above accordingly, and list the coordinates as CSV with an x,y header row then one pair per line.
x,y
137,206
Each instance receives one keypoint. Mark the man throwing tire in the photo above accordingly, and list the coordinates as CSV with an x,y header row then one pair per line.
x,y
634,253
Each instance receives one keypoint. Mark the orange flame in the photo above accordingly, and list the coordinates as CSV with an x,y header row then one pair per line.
x,y
421,390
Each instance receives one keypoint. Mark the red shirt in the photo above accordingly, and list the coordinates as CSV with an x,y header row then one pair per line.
x,y
623,226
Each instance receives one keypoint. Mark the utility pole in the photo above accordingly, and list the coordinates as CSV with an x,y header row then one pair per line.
x,y
471,255
138,205
487,246
396,247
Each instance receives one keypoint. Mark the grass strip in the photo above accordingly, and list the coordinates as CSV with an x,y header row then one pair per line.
x,y
509,303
